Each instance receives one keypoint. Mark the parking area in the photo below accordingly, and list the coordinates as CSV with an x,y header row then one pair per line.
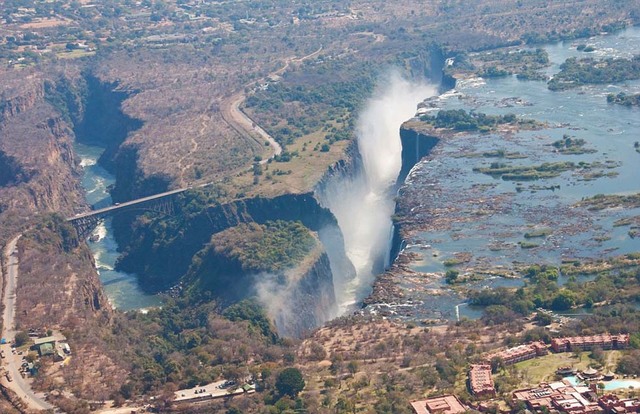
x,y
216,389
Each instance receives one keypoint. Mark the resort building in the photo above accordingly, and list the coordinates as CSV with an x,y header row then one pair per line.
x,y
586,343
560,396
614,405
446,404
520,353
480,380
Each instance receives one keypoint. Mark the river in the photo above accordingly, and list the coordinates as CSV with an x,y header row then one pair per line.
x,y
122,288
488,218
609,129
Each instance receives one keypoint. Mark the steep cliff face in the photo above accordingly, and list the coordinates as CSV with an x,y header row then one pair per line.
x,y
306,301
20,94
94,109
71,291
415,146
160,249
131,183
58,284
38,165
281,263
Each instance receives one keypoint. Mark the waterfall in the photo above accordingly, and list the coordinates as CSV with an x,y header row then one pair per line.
x,y
364,202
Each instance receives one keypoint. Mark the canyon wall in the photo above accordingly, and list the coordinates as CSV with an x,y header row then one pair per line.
x,y
38,188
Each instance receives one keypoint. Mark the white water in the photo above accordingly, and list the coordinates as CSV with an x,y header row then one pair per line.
x,y
363,205
122,289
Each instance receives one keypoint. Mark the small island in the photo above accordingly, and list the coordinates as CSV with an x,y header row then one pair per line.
x,y
624,99
574,73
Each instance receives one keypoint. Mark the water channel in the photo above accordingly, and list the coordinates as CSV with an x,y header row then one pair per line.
x,y
583,112
122,288
492,234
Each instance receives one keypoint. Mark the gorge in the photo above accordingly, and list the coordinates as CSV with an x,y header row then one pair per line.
x,y
350,210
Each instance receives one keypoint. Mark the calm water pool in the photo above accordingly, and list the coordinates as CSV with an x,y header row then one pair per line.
x,y
610,385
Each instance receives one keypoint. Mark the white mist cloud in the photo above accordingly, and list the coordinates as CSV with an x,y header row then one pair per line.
x,y
363,204
275,294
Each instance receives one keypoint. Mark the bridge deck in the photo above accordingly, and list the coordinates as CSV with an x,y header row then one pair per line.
x,y
109,209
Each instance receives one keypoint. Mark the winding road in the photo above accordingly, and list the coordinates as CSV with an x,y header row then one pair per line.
x,y
245,126
11,363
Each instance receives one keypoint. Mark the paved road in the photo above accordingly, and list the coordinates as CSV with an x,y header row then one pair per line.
x,y
210,390
12,362
245,126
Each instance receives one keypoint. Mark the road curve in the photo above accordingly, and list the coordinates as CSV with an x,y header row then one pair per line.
x,y
12,362
245,126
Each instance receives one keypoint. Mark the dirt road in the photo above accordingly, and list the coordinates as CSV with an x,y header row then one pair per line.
x,y
11,362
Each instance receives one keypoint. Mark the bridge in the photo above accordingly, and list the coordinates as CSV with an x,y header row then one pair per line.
x,y
84,223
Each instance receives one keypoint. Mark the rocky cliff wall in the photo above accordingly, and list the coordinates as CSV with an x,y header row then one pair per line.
x,y
36,142
36,149
160,249
307,301
415,146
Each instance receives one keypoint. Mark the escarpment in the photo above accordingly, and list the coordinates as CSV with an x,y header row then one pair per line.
x,y
57,285
160,249
39,167
281,263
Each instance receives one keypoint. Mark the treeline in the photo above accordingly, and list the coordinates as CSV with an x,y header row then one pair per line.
x,y
272,247
542,290
624,99
574,72
184,344
461,120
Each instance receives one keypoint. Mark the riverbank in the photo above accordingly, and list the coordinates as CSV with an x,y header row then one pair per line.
x,y
479,205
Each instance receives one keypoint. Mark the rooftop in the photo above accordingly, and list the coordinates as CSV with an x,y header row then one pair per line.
x,y
446,404
46,339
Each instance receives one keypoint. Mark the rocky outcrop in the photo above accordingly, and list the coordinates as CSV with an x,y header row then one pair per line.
x,y
40,177
19,94
160,250
282,264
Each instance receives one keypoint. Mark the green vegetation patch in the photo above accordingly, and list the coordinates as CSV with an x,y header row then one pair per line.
x,y
525,63
544,368
499,153
624,99
323,97
537,233
585,48
574,72
526,173
587,171
572,146
272,247
461,120
602,201
503,154
617,280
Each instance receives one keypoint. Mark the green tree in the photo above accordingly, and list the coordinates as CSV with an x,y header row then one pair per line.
x,y
290,382
543,319
451,276
564,300
22,338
